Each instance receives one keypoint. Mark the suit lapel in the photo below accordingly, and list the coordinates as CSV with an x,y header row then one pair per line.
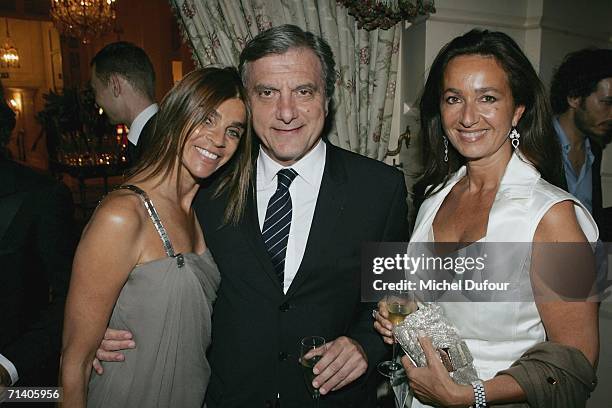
x,y
596,180
330,204
253,236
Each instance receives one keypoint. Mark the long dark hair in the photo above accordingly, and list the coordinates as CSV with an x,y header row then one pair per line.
x,y
183,109
538,142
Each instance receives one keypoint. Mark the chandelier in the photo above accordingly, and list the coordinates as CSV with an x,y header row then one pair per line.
x,y
83,19
373,14
9,56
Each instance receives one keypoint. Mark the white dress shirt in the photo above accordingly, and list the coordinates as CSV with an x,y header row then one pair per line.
x,y
140,121
304,192
6,363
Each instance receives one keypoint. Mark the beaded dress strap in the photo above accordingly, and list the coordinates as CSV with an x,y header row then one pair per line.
x,y
156,221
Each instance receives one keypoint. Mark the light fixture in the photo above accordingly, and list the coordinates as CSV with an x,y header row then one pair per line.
x,y
9,56
14,104
83,19
373,14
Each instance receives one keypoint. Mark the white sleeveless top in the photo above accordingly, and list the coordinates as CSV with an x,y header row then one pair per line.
x,y
498,333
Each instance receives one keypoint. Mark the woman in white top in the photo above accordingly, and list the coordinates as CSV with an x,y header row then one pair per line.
x,y
492,163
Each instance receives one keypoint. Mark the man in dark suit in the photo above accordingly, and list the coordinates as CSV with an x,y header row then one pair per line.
x,y
36,250
339,200
123,81
291,267
581,97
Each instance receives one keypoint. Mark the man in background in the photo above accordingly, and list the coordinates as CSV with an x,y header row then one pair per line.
x,y
581,97
36,250
123,81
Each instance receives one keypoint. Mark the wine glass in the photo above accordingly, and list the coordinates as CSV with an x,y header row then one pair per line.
x,y
306,344
399,304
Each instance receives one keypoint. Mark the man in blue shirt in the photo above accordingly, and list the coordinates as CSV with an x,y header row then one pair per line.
x,y
581,97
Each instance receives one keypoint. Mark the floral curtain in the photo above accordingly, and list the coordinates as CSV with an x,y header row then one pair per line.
x,y
366,61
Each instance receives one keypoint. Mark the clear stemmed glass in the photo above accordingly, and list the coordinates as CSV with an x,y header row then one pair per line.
x,y
306,344
399,304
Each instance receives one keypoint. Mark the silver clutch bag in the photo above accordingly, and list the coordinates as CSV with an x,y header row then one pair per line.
x,y
454,353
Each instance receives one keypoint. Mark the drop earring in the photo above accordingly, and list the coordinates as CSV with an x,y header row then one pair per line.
x,y
445,149
514,137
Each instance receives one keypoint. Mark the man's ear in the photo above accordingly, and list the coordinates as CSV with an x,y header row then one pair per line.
x,y
574,101
115,83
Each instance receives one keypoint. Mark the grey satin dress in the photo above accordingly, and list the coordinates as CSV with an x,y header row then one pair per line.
x,y
167,305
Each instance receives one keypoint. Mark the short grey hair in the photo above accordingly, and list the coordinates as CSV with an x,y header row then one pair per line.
x,y
279,40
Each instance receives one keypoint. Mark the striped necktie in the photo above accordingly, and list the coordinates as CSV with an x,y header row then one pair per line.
x,y
277,224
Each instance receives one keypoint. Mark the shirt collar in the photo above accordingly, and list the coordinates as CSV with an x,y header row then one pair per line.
x,y
564,140
308,167
140,121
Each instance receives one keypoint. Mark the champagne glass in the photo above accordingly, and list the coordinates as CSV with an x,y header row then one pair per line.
x,y
399,304
306,344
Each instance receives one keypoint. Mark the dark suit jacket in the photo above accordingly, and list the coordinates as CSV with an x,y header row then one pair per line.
x,y
134,152
36,250
257,329
603,216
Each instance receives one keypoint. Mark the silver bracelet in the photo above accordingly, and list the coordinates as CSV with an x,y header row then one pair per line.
x,y
480,399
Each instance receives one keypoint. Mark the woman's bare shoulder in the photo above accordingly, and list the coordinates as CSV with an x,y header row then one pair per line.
x,y
120,209
560,224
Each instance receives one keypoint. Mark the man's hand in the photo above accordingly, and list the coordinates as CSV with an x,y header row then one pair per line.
x,y
343,361
113,341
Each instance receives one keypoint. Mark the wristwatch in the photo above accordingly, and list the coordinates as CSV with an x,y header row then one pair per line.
x,y
480,399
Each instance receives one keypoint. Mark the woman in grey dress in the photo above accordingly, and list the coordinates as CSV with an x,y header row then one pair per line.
x,y
142,263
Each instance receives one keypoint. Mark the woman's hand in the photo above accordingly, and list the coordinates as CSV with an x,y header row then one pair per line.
x,y
432,384
383,326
